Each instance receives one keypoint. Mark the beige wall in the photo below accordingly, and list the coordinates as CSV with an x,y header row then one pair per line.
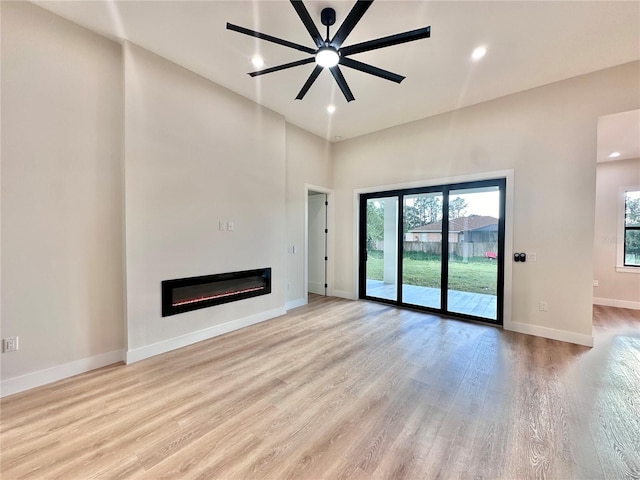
x,y
615,288
308,163
62,275
197,154
547,136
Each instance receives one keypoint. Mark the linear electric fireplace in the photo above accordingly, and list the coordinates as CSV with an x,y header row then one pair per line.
x,y
185,294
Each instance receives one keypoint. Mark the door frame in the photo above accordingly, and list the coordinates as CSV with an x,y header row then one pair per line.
x,y
508,175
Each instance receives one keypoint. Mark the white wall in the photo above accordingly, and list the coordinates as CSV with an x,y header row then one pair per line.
x,y
62,275
308,163
197,154
615,288
547,136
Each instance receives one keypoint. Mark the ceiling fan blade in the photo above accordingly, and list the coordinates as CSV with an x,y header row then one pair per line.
x,y
350,22
342,83
387,41
269,38
309,82
303,13
282,67
378,72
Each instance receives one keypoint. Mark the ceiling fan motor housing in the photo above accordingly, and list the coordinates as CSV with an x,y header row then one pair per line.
x,y
328,17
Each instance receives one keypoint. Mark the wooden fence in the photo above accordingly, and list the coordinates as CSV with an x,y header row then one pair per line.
x,y
461,249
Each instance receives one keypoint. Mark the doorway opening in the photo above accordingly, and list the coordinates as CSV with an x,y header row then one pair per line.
x,y
318,241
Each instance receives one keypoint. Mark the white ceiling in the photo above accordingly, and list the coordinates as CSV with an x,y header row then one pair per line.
x,y
620,133
529,44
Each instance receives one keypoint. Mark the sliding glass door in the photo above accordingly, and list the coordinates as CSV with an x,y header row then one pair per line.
x,y
435,248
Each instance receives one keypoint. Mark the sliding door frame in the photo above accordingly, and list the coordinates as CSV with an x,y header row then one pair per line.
x,y
444,189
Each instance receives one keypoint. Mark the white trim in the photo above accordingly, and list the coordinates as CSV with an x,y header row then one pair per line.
x,y
620,266
59,372
628,269
438,181
612,302
552,333
296,303
170,344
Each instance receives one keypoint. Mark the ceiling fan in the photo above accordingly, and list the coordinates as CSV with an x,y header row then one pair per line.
x,y
329,53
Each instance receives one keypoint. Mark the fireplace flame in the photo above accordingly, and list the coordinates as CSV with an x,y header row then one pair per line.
x,y
217,295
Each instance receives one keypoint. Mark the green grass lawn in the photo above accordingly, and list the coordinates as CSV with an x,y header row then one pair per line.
x,y
479,275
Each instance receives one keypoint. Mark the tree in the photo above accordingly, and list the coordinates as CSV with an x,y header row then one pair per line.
x,y
457,207
632,237
632,211
375,224
426,209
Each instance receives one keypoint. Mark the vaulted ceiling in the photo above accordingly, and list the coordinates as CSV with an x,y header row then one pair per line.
x,y
528,44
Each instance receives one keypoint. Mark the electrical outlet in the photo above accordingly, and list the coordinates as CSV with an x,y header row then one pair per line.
x,y
596,283
544,306
10,344
222,226
532,257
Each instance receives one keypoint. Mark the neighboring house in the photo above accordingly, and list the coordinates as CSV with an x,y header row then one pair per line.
x,y
471,229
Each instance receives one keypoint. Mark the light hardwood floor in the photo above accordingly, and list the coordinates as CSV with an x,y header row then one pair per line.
x,y
342,389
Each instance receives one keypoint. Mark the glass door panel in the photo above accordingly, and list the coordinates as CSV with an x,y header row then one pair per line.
x,y
381,260
472,287
422,250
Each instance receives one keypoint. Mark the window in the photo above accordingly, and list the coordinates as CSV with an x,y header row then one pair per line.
x,y
628,241
631,233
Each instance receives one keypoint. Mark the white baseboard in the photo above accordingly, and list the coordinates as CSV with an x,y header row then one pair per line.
x,y
610,302
344,294
551,333
296,303
59,372
154,349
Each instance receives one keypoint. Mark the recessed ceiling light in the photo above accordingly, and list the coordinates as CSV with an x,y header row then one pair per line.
x,y
614,155
337,137
331,108
257,61
478,53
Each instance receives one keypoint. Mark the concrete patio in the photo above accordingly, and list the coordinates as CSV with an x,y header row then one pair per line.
x,y
476,304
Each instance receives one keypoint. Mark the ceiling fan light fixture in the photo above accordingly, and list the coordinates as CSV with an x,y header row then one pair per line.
x,y
327,57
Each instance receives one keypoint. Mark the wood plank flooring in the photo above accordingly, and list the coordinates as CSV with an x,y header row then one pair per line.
x,y
344,390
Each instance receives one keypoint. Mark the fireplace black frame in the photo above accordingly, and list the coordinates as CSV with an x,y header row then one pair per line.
x,y
168,286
